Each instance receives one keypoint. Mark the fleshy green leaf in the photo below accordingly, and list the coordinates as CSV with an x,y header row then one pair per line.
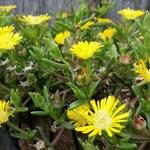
x,y
92,88
77,91
15,98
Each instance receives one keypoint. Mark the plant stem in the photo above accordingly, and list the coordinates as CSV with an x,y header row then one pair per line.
x,y
55,141
13,126
11,57
92,139
88,64
142,146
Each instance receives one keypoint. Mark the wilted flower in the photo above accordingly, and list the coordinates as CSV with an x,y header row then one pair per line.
x,y
131,14
104,20
7,8
5,111
77,115
85,50
141,69
35,20
24,84
87,25
125,59
107,34
39,145
61,37
5,62
106,116
8,39
11,68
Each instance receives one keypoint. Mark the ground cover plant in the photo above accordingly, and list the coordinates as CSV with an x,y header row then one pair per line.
x,y
76,71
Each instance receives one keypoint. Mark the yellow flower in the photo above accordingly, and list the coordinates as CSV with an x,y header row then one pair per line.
x,y
6,29
131,14
141,69
106,116
7,8
107,34
5,111
61,37
8,39
85,50
104,20
35,20
87,25
64,15
77,115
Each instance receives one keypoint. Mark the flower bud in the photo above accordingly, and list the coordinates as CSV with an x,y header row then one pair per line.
x,y
139,123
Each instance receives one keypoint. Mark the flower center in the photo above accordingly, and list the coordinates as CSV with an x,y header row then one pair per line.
x,y
102,119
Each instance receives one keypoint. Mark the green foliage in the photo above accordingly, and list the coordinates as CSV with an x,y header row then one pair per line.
x,y
16,101
87,145
44,102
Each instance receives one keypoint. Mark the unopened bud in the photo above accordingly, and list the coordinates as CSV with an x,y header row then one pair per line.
x,y
125,59
139,123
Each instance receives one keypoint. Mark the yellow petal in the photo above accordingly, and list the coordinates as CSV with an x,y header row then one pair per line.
x,y
117,125
115,130
94,105
95,132
109,132
85,128
103,103
110,103
119,109
122,116
119,121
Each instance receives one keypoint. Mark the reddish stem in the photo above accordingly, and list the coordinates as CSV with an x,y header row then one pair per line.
x,y
55,141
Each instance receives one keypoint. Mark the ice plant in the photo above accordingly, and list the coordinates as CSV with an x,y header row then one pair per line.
x,y
104,20
7,8
5,111
105,115
141,69
87,25
61,37
35,20
77,115
107,34
85,50
8,38
130,14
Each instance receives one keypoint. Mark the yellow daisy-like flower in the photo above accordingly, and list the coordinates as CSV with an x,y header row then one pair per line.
x,y
7,29
64,15
106,116
77,115
8,39
7,8
87,25
131,14
61,37
85,50
4,111
104,20
35,20
141,69
107,34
